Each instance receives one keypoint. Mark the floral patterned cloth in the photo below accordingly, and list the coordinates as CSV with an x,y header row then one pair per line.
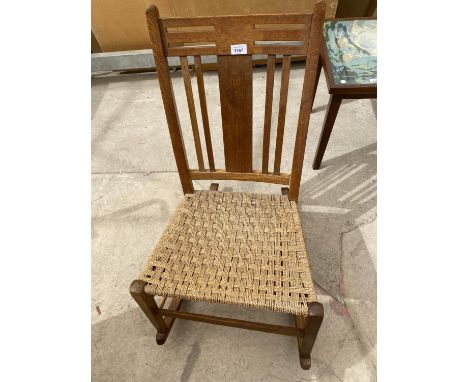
x,y
352,49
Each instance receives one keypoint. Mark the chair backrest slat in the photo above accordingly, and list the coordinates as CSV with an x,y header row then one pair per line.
x,y
235,89
221,36
270,79
282,112
193,115
204,111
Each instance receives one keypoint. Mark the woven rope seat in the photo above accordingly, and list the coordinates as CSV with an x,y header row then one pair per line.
x,y
236,248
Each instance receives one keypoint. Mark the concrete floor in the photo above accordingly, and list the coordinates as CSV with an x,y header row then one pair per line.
x,y
135,189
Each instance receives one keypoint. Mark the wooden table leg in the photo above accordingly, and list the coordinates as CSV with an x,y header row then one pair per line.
x,y
330,117
317,78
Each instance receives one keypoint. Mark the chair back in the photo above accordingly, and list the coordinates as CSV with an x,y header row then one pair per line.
x,y
233,40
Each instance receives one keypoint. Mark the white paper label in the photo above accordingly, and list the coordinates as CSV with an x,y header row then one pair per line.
x,y
239,49
373,80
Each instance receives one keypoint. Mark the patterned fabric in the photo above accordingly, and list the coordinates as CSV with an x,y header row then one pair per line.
x,y
238,248
352,49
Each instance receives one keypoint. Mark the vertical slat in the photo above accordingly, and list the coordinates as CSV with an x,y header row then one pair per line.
x,y
268,106
204,111
235,88
282,112
193,114
308,95
165,84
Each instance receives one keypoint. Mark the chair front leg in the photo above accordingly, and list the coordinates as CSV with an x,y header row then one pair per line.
x,y
150,308
312,324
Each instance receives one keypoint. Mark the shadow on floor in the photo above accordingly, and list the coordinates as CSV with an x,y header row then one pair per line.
x,y
340,198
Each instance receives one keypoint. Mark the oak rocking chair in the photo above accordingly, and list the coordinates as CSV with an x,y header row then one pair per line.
x,y
236,248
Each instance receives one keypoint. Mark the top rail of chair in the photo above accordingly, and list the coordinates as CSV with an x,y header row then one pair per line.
x,y
214,35
285,18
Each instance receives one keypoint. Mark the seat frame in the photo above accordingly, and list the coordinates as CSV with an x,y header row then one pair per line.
x,y
237,137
